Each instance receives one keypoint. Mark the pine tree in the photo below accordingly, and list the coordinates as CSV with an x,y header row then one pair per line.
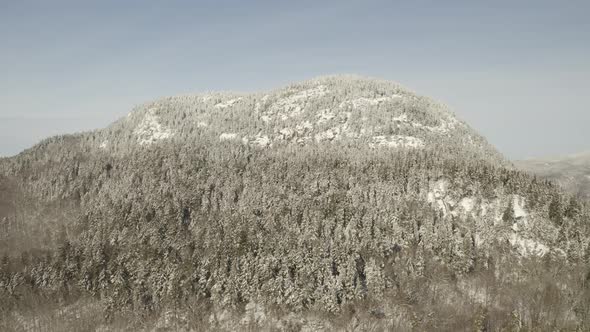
x,y
555,211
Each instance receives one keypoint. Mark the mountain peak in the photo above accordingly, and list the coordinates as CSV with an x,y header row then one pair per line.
x,y
348,109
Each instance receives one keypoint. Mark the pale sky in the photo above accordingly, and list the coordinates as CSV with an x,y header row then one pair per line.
x,y
516,71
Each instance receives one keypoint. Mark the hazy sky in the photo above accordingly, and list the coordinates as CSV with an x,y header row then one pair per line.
x,y
517,71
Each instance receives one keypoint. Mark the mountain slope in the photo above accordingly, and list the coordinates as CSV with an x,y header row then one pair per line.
x,y
332,196
570,172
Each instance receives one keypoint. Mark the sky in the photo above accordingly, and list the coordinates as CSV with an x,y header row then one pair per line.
x,y
516,71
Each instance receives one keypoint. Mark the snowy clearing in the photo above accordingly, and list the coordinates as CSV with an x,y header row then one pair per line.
x,y
150,130
398,141
227,136
227,103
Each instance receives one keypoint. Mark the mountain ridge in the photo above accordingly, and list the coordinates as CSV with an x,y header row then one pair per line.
x,y
336,108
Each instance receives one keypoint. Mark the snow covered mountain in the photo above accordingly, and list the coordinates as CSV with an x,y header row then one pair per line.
x,y
359,114
334,109
332,195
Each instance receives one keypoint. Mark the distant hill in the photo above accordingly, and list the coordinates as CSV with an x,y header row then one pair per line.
x,y
571,172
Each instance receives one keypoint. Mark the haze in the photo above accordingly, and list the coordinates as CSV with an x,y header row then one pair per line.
x,y
515,71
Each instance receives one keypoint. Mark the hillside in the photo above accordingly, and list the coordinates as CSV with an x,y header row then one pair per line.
x,y
570,172
336,203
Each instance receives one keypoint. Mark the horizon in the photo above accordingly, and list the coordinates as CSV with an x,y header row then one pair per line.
x,y
516,73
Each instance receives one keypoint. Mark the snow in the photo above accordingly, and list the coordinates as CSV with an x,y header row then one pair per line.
x,y
363,102
518,204
430,197
445,124
441,200
291,106
528,247
227,103
397,141
227,136
325,115
261,141
297,110
150,130
440,188
401,118
467,203
286,133
104,144
438,194
206,98
306,125
258,140
327,135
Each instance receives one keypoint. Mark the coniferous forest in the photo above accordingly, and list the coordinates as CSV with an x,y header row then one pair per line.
x,y
311,231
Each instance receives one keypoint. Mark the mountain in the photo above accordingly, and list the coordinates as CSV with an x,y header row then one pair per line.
x,y
346,110
571,172
337,203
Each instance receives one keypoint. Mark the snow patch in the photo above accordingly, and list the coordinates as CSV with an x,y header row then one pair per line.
x,y
325,115
258,140
291,106
297,110
227,103
528,247
401,118
445,126
440,188
363,102
261,141
467,203
301,128
227,136
150,130
398,141
437,195
327,135
518,204
286,133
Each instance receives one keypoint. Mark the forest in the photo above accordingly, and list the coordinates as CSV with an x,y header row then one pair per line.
x,y
222,236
